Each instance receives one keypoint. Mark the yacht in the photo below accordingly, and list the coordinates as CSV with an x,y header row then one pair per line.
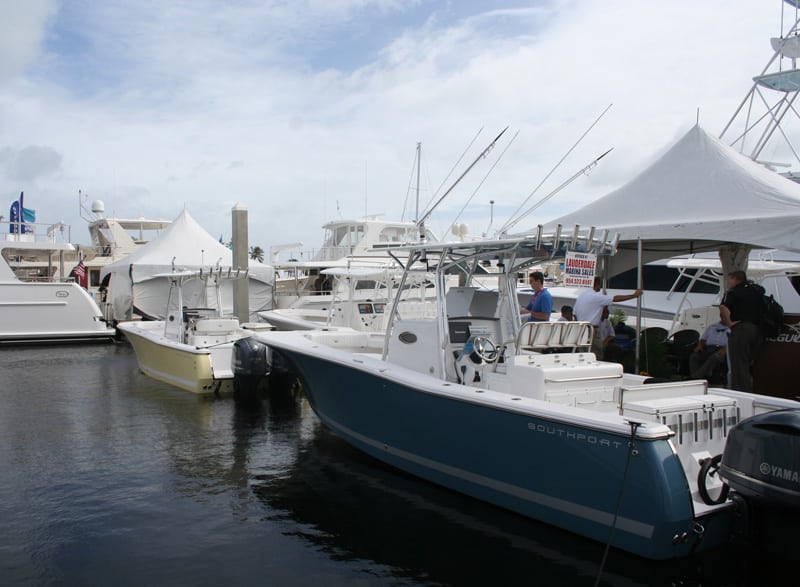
x,y
367,243
36,305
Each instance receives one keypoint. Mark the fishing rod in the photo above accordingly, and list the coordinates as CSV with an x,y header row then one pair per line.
x,y
484,153
475,191
530,210
452,169
507,225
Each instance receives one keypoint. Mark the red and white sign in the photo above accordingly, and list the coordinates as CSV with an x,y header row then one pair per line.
x,y
579,269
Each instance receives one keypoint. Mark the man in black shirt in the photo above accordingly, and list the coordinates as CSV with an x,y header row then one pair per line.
x,y
741,312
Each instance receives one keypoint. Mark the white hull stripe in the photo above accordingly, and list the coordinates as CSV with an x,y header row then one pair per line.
x,y
567,507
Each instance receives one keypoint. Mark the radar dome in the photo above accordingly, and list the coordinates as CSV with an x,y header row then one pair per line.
x,y
98,207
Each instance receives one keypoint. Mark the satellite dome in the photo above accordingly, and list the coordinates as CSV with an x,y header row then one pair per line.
x,y
98,207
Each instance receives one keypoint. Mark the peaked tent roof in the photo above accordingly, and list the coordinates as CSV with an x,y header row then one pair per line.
x,y
189,244
698,195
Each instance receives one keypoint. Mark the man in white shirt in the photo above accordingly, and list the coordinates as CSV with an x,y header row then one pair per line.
x,y
711,351
589,308
566,314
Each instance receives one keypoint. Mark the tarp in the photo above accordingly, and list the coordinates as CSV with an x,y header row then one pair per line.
x,y
134,284
698,196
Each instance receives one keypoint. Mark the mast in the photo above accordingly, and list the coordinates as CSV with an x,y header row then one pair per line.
x,y
419,165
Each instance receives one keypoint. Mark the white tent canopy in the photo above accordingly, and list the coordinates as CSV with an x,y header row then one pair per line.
x,y
135,284
698,196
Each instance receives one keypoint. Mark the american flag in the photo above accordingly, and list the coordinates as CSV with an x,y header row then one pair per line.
x,y
79,273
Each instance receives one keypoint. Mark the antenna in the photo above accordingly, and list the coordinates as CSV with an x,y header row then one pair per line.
x,y
491,217
419,165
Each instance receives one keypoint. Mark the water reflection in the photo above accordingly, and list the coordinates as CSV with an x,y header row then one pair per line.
x,y
111,477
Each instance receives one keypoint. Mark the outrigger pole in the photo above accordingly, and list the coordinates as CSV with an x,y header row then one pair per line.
x,y
511,223
421,221
508,224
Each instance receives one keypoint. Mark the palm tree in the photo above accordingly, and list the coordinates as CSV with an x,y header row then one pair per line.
x,y
257,254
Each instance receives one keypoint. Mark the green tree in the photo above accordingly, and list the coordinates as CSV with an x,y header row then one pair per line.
x,y
257,254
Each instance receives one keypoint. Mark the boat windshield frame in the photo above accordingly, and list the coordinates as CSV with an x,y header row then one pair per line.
x,y
510,256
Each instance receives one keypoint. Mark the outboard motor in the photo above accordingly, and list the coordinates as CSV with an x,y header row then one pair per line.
x,y
761,465
251,363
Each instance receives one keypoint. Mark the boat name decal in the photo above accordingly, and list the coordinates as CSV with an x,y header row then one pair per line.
x,y
779,472
577,436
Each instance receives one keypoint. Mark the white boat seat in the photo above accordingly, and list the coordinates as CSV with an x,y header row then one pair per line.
x,y
565,336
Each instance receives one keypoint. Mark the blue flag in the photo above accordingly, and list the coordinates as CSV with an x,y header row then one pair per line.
x,y
14,218
27,215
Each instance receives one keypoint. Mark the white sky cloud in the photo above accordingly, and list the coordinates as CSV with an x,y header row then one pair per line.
x,y
295,107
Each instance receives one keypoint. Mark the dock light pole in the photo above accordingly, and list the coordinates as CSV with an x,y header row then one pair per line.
x,y
639,285
241,260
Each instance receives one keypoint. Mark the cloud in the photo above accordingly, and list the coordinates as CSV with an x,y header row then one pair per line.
x,y
22,30
300,108
29,163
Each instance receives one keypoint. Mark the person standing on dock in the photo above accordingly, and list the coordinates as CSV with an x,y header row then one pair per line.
x,y
589,308
541,305
741,312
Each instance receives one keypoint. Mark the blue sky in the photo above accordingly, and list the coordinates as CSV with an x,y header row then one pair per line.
x,y
300,108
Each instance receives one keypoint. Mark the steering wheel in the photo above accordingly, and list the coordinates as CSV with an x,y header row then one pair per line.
x,y
485,349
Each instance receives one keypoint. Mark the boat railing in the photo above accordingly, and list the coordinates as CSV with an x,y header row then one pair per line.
x,y
31,278
330,253
37,232
541,336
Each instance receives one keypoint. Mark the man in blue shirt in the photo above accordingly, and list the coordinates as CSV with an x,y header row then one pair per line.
x,y
541,305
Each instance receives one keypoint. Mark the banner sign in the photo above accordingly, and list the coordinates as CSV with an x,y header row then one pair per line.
x,y
579,269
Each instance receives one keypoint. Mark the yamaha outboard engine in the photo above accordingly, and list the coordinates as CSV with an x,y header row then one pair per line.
x,y
761,465
251,364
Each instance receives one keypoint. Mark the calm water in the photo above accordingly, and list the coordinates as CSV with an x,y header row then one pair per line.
x,y
109,477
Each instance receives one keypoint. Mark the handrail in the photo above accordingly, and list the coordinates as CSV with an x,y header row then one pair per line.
x,y
592,378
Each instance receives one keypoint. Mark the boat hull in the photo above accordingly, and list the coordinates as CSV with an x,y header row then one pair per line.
x,y
180,365
49,312
546,468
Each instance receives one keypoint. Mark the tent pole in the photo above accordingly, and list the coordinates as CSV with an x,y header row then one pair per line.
x,y
638,301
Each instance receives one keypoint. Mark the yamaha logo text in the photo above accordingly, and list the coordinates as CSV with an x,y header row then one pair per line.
x,y
779,472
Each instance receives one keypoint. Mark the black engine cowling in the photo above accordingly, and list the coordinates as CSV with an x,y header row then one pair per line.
x,y
251,362
761,460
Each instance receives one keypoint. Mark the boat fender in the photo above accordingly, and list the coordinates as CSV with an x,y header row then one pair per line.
x,y
709,468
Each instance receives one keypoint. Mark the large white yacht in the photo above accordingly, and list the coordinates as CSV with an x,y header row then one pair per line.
x,y
365,243
38,306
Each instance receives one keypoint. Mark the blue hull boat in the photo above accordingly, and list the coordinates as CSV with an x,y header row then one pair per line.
x,y
558,437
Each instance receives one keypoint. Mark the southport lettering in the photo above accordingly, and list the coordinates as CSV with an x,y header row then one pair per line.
x,y
577,436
